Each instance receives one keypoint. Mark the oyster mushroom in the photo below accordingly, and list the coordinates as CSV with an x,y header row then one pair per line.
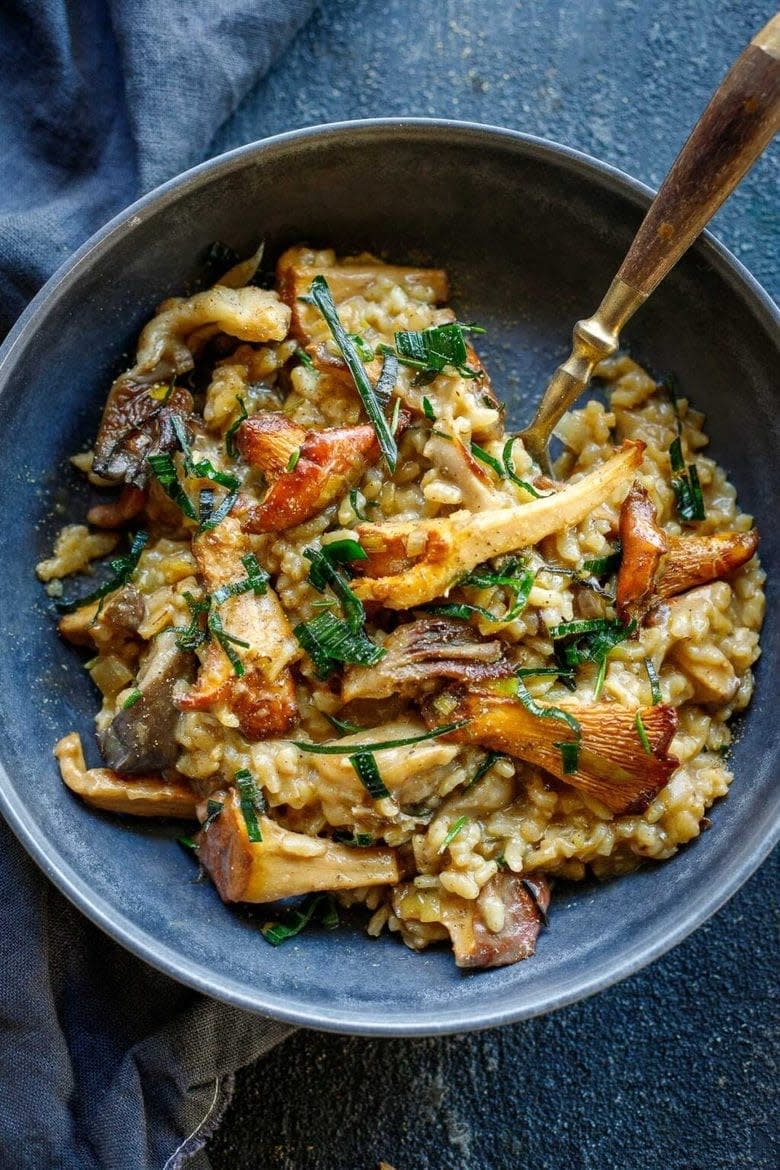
x,y
411,562
612,763
164,352
420,653
282,864
142,737
104,788
458,465
524,900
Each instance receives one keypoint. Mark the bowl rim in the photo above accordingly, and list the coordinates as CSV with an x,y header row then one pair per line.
x,y
427,1021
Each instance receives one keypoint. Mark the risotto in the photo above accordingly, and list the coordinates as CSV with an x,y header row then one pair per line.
x,y
351,633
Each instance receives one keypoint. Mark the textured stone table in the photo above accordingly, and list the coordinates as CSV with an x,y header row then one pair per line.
x,y
675,1069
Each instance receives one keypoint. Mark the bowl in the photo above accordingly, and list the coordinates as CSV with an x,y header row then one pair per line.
x,y
531,234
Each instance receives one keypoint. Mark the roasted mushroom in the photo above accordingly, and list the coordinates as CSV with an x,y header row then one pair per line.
x,y
614,763
655,566
410,563
261,694
524,901
419,654
140,796
306,470
142,737
282,864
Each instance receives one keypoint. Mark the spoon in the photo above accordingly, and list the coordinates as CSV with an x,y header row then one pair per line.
x,y
742,117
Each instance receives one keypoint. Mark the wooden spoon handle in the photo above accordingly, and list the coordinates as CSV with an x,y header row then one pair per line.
x,y
736,126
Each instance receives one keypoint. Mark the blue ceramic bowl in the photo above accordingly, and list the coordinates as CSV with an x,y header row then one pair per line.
x,y
531,234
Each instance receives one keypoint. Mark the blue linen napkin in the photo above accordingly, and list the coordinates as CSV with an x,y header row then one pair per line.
x,y
105,1063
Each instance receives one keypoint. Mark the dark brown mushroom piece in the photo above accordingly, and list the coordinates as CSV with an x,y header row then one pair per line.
x,y
141,738
643,544
420,653
525,902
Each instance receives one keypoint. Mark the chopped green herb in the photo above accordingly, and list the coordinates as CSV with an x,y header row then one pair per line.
x,y
320,296
205,505
509,469
188,843
568,758
601,677
343,726
354,840
303,358
327,749
431,350
227,642
219,514
367,770
655,682
122,569
428,409
164,470
292,462
603,566
490,460
315,907
213,809
132,699
455,828
353,500
196,633
364,350
324,572
385,383
230,434
256,581
204,468
685,479
328,640
252,803
553,671
642,733
588,641
501,861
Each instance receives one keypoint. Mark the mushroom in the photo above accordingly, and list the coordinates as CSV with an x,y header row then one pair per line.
x,y
141,796
129,503
250,314
282,864
450,457
524,900
696,560
422,652
612,763
327,464
262,695
411,562
655,566
643,544
142,737
113,624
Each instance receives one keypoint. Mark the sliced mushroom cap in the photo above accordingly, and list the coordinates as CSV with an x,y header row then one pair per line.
x,y
419,653
282,864
113,624
410,563
643,544
473,942
456,463
142,737
612,764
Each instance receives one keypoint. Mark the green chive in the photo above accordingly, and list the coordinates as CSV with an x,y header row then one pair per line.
x,y
213,809
132,699
428,409
230,434
367,771
122,569
491,461
328,640
303,358
292,462
568,757
256,581
320,295
325,749
655,682
291,922
204,468
453,832
354,840
252,803
642,733
227,642
509,469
